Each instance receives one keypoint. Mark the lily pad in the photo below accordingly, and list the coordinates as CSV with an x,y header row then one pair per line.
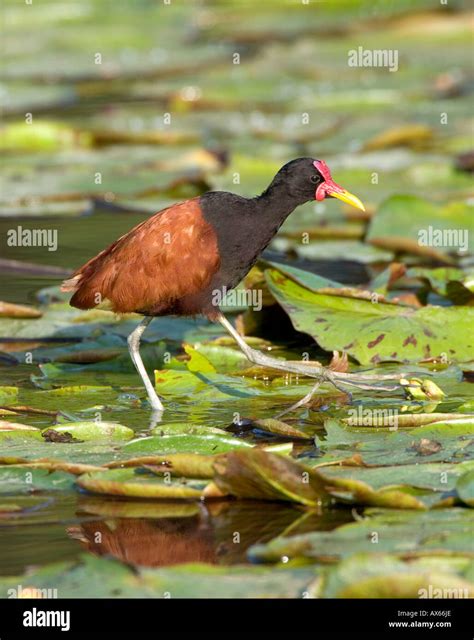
x,y
407,533
449,282
401,486
414,225
184,443
107,578
457,444
465,487
279,428
189,465
8,394
373,333
389,577
95,431
178,428
260,475
136,483
20,480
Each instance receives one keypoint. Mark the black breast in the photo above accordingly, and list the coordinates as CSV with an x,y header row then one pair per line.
x,y
243,231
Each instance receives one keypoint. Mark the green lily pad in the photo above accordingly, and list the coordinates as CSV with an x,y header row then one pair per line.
x,y
261,475
197,361
449,282
373,333
209,385
355,487
279,428
414,225
406,533
29,450
178,428
456,444
95,431
14,432
389,577
188,465
400,486
105,578
8,394
139,484
307,279
184,443
383,418
465,487
74,390
335,250
20,480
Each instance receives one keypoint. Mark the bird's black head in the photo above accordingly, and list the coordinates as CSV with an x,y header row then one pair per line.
x,y
306,179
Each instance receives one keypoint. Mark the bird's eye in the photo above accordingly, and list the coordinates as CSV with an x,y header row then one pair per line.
x,y
314,178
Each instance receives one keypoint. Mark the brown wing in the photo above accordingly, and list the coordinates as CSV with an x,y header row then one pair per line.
x,y
172,254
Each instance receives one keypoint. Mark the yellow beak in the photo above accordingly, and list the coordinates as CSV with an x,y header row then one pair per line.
x,y
345,196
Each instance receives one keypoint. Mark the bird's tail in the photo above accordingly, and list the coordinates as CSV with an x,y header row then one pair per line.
x,y
71,284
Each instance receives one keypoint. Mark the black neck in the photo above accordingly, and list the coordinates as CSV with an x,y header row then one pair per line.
x,y
276,203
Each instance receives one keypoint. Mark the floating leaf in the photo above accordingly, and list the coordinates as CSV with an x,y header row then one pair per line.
x,y
54,465
197,362
209,385
449,282
15,426
184,443
189,465
7,509
41,136
24,434
279,428
408,534
465,487
132,483
8,394
422,389
348,488
18,480
73,390
107,578
398,447
94,431
410,486
414,225
384,417
9,310
410,135
178,428
374,333
261,475
390,577
467,407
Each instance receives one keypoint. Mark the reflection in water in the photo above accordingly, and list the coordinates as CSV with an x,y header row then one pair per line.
x,y
161,534
151,543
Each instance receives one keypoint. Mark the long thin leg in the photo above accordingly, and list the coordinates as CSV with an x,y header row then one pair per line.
x,y
323,374
134,349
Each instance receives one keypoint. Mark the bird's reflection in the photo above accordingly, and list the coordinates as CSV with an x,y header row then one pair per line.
x,y
163,534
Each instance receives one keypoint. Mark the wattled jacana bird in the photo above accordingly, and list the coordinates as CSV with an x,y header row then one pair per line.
x,y
173,262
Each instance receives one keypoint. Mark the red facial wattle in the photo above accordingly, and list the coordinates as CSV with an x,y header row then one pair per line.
x,y
329,188
328,184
